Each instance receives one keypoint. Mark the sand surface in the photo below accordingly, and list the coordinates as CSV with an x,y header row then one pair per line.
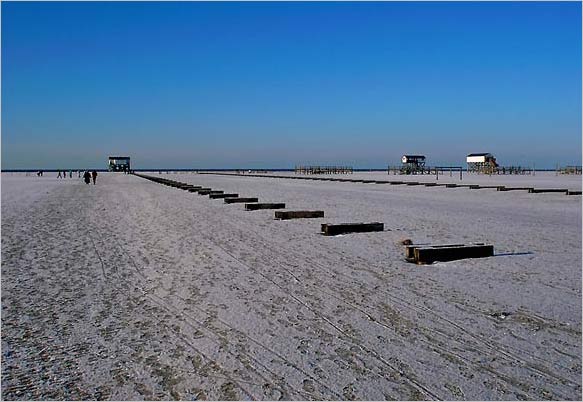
x,y
131,290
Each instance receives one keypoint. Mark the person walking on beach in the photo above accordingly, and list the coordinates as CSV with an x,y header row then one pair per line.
x,y
94,175
59,175
87,177
70,174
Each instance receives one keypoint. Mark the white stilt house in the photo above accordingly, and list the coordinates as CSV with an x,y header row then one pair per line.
x,y
119,164
481,163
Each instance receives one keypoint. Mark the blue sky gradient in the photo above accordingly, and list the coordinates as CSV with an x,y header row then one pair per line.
x,y
200,85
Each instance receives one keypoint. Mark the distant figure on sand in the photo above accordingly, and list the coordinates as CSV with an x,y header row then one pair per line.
x,y
87,177
94,175
70,174
59,175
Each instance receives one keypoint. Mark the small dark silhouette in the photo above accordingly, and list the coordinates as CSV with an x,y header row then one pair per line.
x,y
70,174
87,177
78,173
94,175
59,175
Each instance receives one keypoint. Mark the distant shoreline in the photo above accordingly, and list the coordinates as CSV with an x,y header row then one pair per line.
x,y
203,170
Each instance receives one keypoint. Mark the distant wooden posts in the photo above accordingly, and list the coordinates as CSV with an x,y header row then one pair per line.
x,y
240,200
323,170
265,205
283,215
451,169
342,228
427,254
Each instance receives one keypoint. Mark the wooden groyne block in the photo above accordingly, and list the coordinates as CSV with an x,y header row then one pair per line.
x,y
395,182
451,185
410,249
194,189
298,214
382,182
413,183
340,228
240,199
215,196
569,192
204,191
429,254
504,188
368,181
430,184
265,205
548,190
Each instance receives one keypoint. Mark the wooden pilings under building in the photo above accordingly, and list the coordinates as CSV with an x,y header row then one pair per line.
x,y
569,170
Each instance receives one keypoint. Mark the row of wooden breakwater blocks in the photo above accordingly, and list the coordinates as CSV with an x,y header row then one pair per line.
x,y
416,253
531,190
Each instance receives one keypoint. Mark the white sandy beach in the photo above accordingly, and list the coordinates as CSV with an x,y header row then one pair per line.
x,y
131,290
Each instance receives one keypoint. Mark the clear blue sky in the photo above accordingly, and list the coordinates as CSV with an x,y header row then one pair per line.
x,y
277,84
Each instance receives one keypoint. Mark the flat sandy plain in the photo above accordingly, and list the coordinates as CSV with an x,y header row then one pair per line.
x,y
132,290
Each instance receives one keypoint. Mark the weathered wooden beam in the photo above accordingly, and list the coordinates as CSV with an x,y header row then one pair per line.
x,y
395,182
504,188
569,192
548,190
240,200
430,184
215,196
265,205
410,249
298,214
427,254
340,228
412,183
194,189
450,185
204,191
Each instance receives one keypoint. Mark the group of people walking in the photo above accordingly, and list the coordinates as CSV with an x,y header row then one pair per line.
x,y
87,176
